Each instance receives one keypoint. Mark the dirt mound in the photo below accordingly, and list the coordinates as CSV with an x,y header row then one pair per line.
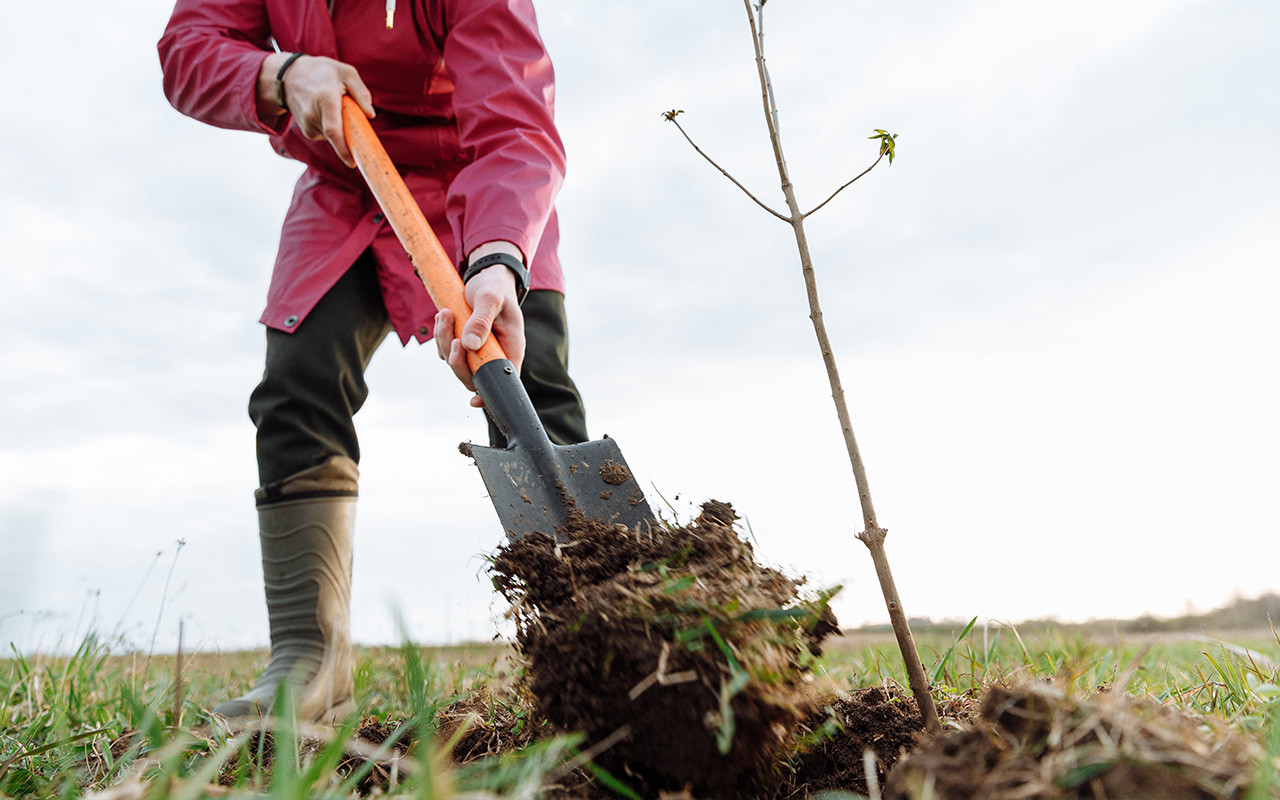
x,y
835,736
671,646
1038,741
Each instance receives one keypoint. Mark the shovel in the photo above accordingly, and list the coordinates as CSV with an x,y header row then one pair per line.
x,y
536,486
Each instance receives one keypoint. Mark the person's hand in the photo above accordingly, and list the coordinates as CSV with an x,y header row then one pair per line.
x,y
313,90
492,296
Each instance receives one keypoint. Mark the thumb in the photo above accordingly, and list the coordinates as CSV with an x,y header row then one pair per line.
x,y
480,323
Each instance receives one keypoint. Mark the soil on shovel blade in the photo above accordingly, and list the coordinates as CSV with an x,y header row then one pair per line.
x,y
679,657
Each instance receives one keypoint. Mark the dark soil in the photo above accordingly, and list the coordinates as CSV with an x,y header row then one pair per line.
x,y
671,649
835,736
826,752
485,725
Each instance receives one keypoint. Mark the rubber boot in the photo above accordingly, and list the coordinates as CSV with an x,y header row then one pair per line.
x,y
306,544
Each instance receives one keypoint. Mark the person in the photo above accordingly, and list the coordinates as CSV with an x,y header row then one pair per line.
x,y
461,94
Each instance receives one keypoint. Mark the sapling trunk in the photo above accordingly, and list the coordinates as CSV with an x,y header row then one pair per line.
x,y
872,534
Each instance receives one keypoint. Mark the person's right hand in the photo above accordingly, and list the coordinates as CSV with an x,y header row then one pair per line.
x,y
313,89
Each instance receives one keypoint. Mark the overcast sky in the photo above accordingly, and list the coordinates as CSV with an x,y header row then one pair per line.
x,y
1057,315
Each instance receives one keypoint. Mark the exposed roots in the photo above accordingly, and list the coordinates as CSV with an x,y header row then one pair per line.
x,y
675,636
1038,741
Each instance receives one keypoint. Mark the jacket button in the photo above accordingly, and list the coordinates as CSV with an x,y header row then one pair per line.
x,y
291,320
424,331
378,217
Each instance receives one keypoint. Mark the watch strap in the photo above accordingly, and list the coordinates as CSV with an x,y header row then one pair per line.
x,y
281,100
510,262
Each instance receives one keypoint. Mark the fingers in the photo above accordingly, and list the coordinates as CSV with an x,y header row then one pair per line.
x,y
454,354
443,333
458,362
360,93
315,87
450,349
495,312
331,129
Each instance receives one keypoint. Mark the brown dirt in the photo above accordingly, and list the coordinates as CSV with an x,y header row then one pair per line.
x,y
1031,741
1038,741
835,736
614,474
376,733
258,753
825,753
672,645
105,752
484,724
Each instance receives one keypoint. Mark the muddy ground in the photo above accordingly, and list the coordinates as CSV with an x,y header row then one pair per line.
x,y
685,665
1030,741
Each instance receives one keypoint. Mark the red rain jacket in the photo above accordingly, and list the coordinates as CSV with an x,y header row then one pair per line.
x,y
464,92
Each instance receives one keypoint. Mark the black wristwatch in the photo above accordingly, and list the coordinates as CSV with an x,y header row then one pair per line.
x,y
510,262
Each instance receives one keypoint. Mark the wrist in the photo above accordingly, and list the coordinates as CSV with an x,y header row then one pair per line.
x,y
267,106
513,263
278,84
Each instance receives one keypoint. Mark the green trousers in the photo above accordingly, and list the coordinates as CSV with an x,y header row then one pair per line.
x,y
313,383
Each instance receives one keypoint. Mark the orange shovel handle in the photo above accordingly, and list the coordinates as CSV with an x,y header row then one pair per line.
x,y
434,268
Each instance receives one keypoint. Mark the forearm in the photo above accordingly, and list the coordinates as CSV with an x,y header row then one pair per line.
x,y
211,55
503,102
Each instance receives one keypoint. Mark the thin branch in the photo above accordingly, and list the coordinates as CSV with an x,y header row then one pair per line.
x,y
873,535
766,80
671,117
771,106
842,188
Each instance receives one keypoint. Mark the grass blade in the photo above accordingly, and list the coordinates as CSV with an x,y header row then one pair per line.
x,y
942,664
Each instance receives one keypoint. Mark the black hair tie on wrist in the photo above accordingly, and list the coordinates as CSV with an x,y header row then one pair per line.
x,y
510,262
288,62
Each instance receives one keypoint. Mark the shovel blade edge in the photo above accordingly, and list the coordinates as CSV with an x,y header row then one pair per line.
x,y
537,493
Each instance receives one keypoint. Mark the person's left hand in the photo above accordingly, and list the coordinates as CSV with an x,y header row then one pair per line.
x,y
494,307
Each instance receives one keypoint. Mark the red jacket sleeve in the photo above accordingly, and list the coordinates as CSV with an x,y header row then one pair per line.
x,y
503,100
210,54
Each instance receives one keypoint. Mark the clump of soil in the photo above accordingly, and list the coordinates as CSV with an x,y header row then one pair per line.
x,y
671,649
484,724
1037,741
259,751
834,737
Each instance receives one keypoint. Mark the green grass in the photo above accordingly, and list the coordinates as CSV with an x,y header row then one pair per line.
x,y
73,725
1234,677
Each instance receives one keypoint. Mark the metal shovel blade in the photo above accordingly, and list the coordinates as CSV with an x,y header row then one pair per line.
x,y
539,492
538,486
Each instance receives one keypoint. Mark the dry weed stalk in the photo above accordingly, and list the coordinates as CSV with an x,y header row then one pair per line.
x,y
872,534
1038,740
